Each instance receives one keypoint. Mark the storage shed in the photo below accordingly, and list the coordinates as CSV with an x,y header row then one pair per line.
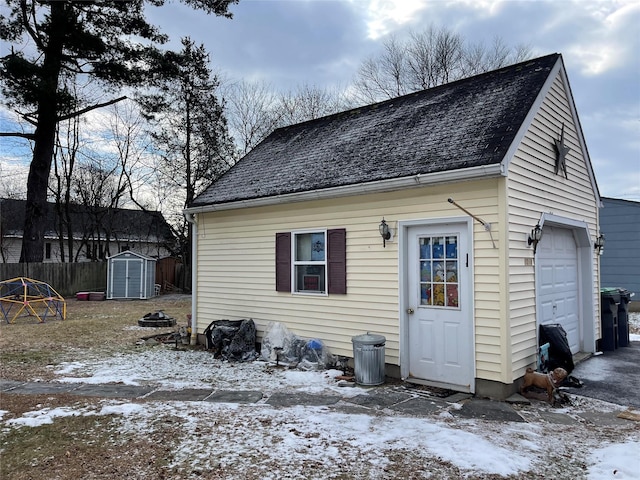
x,y
130,275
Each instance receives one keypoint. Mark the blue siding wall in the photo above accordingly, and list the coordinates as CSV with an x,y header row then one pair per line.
x,y
620,261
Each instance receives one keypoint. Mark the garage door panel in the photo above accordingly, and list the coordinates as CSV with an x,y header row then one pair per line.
x,y
557,283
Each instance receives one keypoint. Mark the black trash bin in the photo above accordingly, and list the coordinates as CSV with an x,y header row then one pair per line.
x,y
623,317
609,301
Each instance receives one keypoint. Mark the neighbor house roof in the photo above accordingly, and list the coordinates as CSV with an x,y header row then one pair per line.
x,y
122,224
468,123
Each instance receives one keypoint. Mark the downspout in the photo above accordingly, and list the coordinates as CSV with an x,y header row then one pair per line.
x,y
191,218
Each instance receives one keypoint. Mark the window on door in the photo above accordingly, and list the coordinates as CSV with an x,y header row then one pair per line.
x,y
439,264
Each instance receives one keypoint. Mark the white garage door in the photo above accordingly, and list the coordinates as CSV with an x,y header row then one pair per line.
x,y
557,285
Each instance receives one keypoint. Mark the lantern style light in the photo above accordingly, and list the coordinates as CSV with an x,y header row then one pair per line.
x,y
385,233
534,237
599,243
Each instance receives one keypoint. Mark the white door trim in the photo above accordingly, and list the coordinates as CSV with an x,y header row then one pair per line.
x,y
585,252
403,290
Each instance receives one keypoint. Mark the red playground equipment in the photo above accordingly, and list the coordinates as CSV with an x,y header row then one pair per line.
x,y
26,297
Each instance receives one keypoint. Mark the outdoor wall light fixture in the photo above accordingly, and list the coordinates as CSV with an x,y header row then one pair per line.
x,y
385,232
599,244
534,237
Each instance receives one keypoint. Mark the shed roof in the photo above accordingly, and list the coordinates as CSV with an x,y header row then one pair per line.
x,y
468,123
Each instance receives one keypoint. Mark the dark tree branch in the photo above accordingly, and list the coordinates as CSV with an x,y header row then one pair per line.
x,y
88,109
29,136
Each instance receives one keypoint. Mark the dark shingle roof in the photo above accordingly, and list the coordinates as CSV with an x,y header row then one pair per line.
x,y
467,123
121,223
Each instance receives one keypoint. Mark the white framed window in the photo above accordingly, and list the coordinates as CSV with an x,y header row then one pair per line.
x,y
309,253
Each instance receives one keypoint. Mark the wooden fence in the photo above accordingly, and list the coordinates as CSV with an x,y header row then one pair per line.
x,y
70,278
65,278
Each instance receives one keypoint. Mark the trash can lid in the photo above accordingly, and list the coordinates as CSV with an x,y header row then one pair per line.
x,y
368,339
627,294
612,293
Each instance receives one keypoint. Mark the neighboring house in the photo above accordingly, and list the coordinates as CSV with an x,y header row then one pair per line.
x,y
291,232
620,260
96,233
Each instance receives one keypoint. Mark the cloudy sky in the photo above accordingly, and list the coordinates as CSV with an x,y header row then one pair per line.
x,y
322,42
288,43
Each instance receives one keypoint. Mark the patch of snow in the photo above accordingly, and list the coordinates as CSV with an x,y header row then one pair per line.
x,y
619,461
287,440
170,369
44,416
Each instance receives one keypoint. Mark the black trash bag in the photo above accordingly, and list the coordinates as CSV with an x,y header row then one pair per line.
x,y
219,334
559,351
243,343
232,339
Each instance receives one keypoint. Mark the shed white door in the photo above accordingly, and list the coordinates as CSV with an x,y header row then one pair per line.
x,y
440,323
557,283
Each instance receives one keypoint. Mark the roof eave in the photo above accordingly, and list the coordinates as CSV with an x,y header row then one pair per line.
x,y
381,186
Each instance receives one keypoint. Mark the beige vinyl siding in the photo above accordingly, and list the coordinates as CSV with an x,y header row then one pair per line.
x,y
534,187
236,266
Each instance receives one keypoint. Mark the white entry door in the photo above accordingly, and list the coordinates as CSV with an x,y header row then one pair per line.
x,y
440,321
557,283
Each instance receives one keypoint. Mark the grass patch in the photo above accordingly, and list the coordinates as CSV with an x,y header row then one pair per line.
x,y
30,348
83,446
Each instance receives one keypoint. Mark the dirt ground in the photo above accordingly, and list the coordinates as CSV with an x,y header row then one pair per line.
x,y
95,446
28,348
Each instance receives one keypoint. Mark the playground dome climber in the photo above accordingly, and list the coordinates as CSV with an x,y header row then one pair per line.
x,y
26,297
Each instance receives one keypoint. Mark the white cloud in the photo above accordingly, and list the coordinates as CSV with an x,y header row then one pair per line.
x,y
383,16
612,40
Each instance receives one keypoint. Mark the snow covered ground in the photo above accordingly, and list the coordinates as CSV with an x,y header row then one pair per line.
x,y
320,442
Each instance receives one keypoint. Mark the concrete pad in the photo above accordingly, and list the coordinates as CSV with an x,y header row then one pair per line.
x,y
517,399
112,391
458,397
557,418
605,419
292,399
35,388
420,406
488,410
378,400
351,409
230,396
184,395
6,385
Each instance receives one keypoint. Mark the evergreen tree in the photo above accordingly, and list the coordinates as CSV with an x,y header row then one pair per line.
x,y
189,128
105,42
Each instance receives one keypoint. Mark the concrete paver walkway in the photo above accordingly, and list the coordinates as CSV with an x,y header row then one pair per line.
x,y
376,401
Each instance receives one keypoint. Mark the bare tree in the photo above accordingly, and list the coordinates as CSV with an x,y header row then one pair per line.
x,y
426,59
308,102
255,109
60,185
251,112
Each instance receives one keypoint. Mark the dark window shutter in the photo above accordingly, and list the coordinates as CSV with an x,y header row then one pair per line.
x,y
283,262
337,260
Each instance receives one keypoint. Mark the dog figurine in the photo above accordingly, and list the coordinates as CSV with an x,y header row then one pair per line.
x,y
547,381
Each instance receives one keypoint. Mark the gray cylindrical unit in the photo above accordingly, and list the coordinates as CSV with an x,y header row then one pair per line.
x,y
368,358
